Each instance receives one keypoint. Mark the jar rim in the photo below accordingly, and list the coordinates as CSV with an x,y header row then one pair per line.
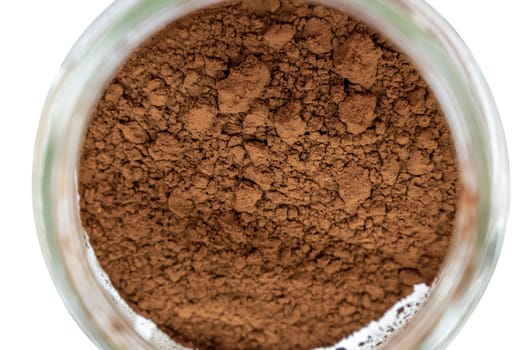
x,y
428,40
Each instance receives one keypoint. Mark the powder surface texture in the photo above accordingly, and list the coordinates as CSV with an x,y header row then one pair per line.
x,y
267,175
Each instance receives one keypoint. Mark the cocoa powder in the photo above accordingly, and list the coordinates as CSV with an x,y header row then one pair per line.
x,y
267,175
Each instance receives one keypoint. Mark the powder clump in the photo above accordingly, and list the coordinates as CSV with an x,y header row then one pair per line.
x,y
357,112
354,187
318,33
288,122
244,84
279,35
200,119
267,174
357,60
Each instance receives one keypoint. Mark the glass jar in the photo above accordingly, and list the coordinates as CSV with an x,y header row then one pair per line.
x,y
412,25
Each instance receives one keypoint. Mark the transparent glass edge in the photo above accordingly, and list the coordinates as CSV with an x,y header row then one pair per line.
x,y
99,37
461,71
476,99
141,10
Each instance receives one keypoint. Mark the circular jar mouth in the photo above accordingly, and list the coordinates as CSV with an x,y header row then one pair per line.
x,y
432,45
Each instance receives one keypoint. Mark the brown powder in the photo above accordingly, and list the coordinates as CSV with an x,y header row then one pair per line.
x,y
267,175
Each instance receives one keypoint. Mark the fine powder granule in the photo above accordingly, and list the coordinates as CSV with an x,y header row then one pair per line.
x,y
267,175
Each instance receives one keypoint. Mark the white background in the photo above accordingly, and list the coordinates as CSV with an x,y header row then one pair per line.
x,y
34,38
